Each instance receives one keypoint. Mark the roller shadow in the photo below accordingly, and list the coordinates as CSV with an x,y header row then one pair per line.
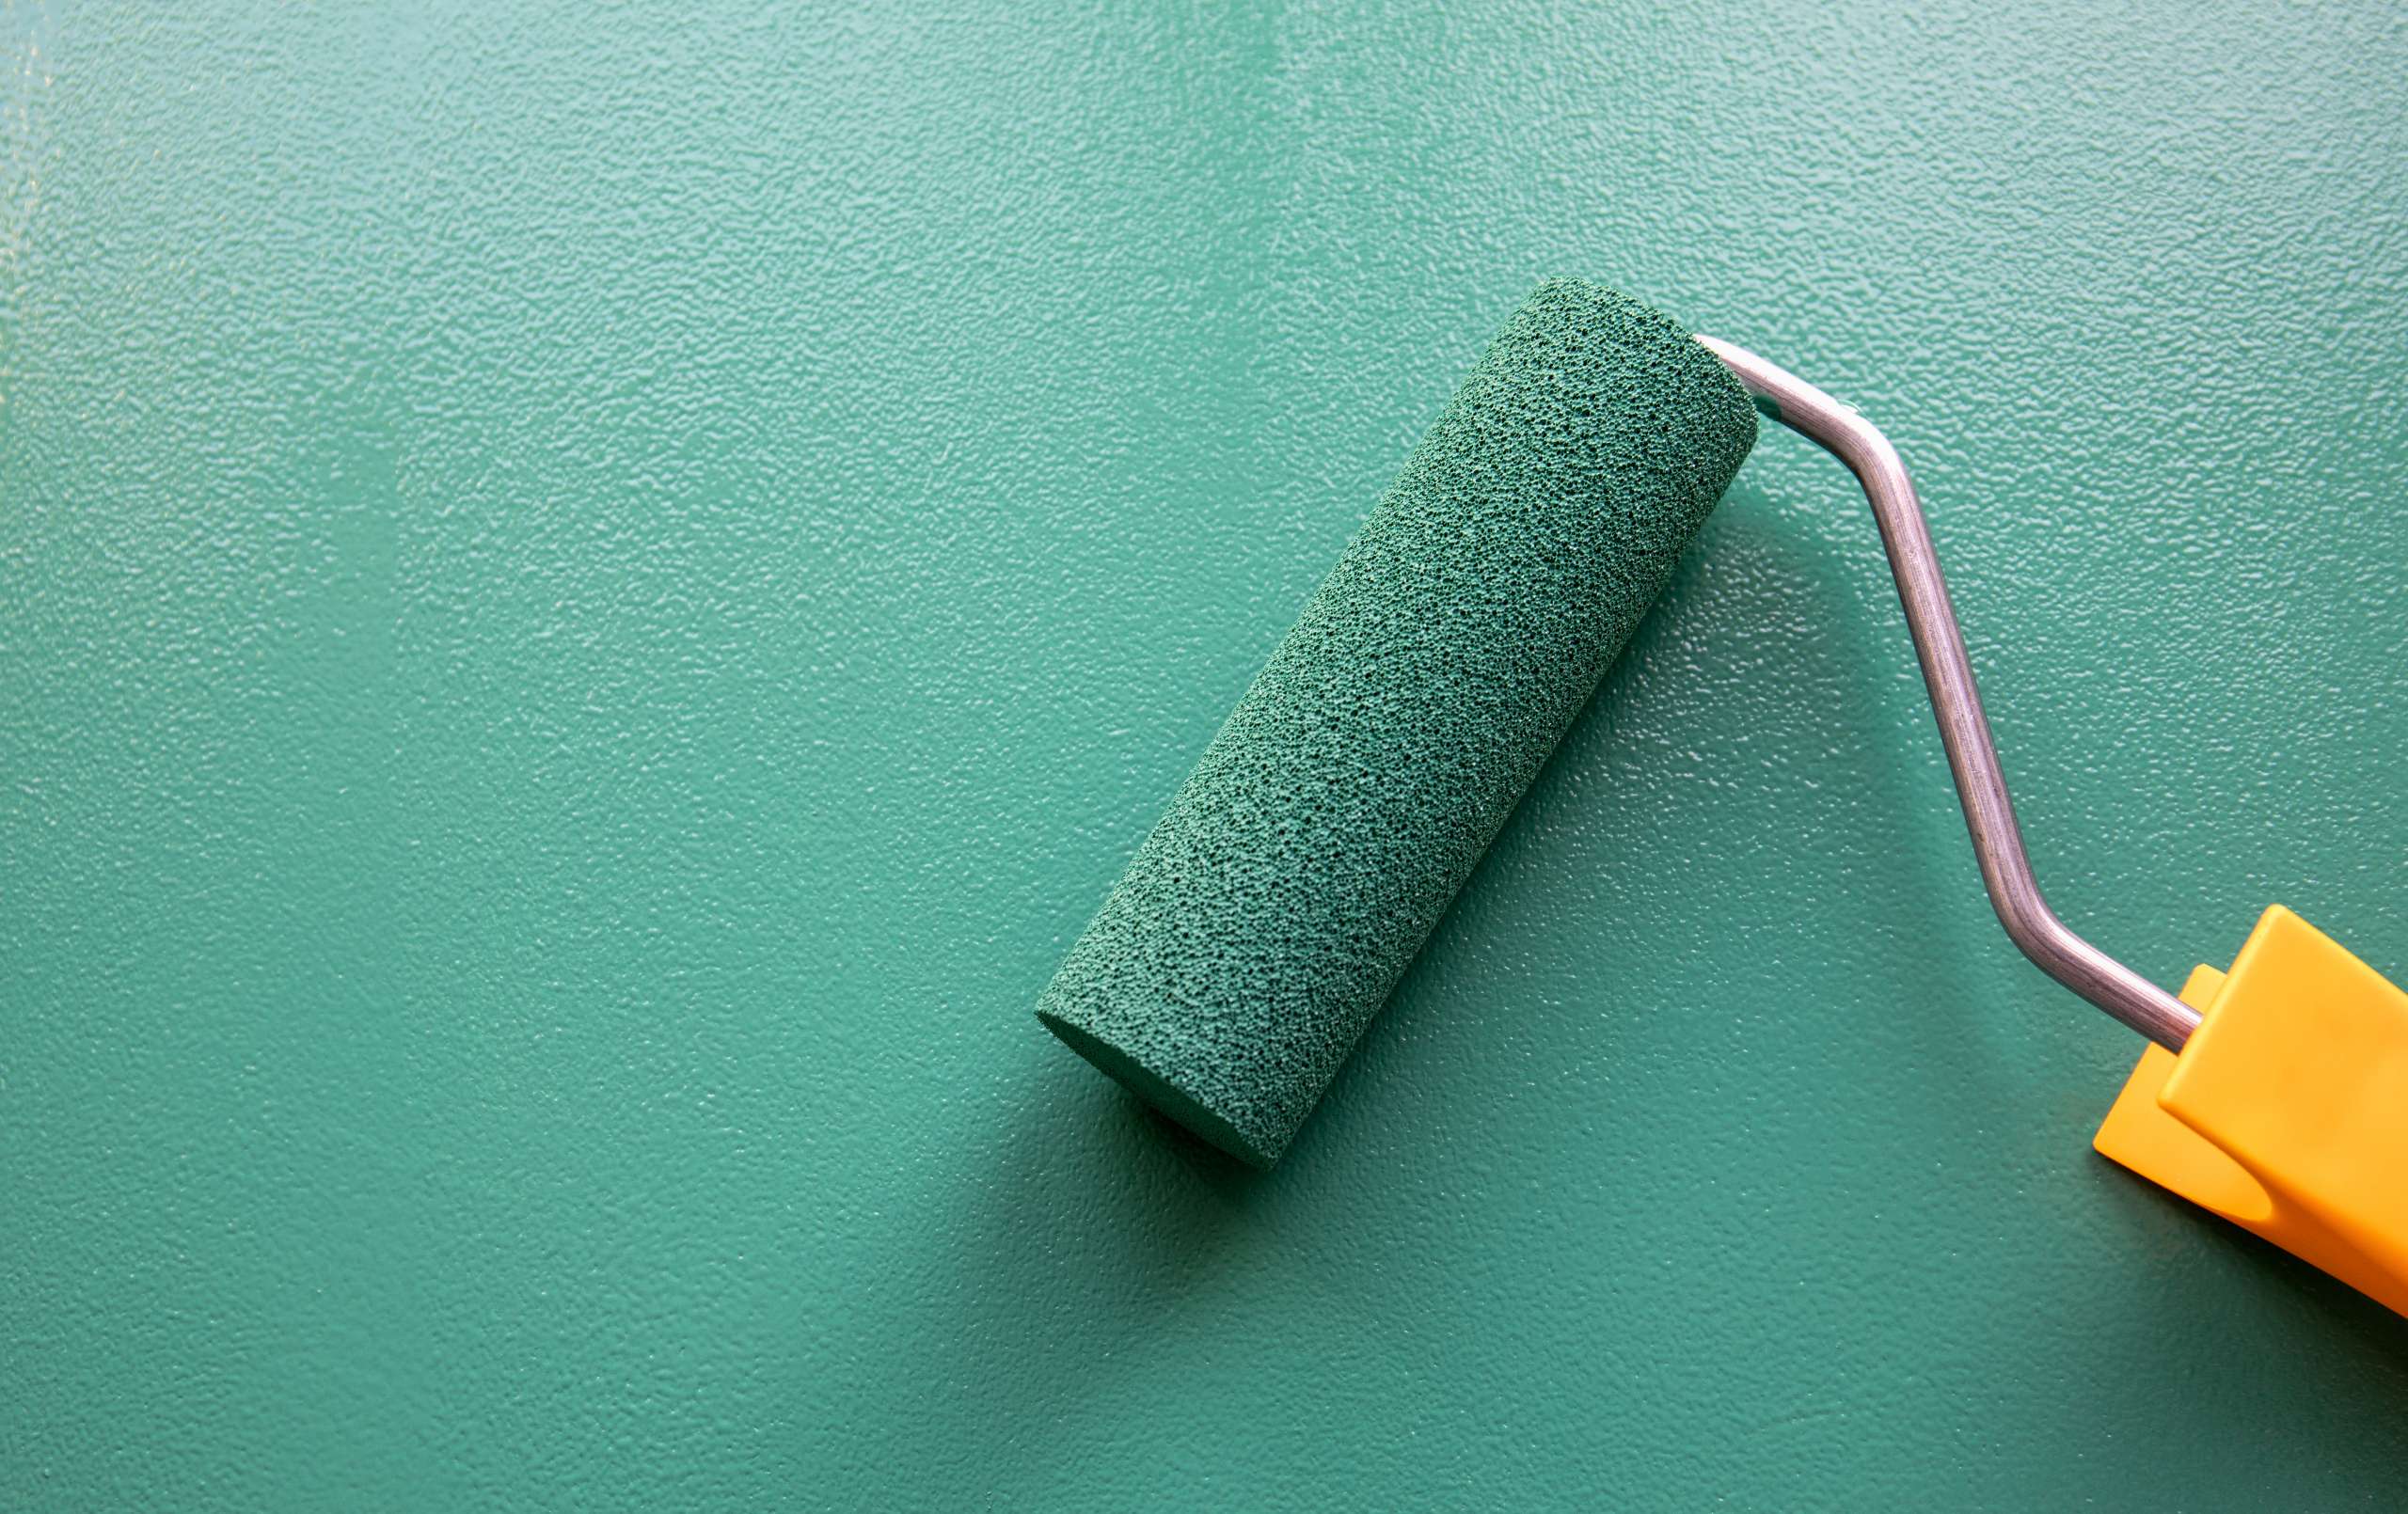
x,y
1079,1234
1090,1248
2350,1314
1769,598
1139,1225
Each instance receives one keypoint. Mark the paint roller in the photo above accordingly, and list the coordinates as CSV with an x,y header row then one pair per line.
x,y
1299,868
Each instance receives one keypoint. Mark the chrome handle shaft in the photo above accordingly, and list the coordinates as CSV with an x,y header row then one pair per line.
x,y
1939,646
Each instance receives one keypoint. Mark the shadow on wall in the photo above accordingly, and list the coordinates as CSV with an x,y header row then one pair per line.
x,y
2335,1309
1101,1235
1090,1249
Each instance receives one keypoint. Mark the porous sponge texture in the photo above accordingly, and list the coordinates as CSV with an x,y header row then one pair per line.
x,y
1332,820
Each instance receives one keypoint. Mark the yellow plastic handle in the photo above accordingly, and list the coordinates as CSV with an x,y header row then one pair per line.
x,y
2288,1111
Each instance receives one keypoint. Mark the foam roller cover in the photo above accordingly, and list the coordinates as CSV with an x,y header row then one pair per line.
x,y
1332,820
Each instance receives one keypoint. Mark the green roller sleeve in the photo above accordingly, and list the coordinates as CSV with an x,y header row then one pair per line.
x,y
1332,820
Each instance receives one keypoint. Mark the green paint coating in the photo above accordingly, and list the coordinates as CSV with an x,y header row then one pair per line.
x,y
590,604
1355,787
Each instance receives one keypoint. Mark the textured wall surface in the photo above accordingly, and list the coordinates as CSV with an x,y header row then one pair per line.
x,y
589,601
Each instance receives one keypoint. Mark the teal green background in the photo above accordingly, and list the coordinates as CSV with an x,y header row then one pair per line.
x,y
588,602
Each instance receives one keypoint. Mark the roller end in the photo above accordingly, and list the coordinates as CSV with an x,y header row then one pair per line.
x,y
1162,1092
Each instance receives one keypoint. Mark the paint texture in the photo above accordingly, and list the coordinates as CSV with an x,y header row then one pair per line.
x,y
591,597
1328,826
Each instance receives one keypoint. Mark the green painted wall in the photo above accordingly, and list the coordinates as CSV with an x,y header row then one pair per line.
x,y
587,601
